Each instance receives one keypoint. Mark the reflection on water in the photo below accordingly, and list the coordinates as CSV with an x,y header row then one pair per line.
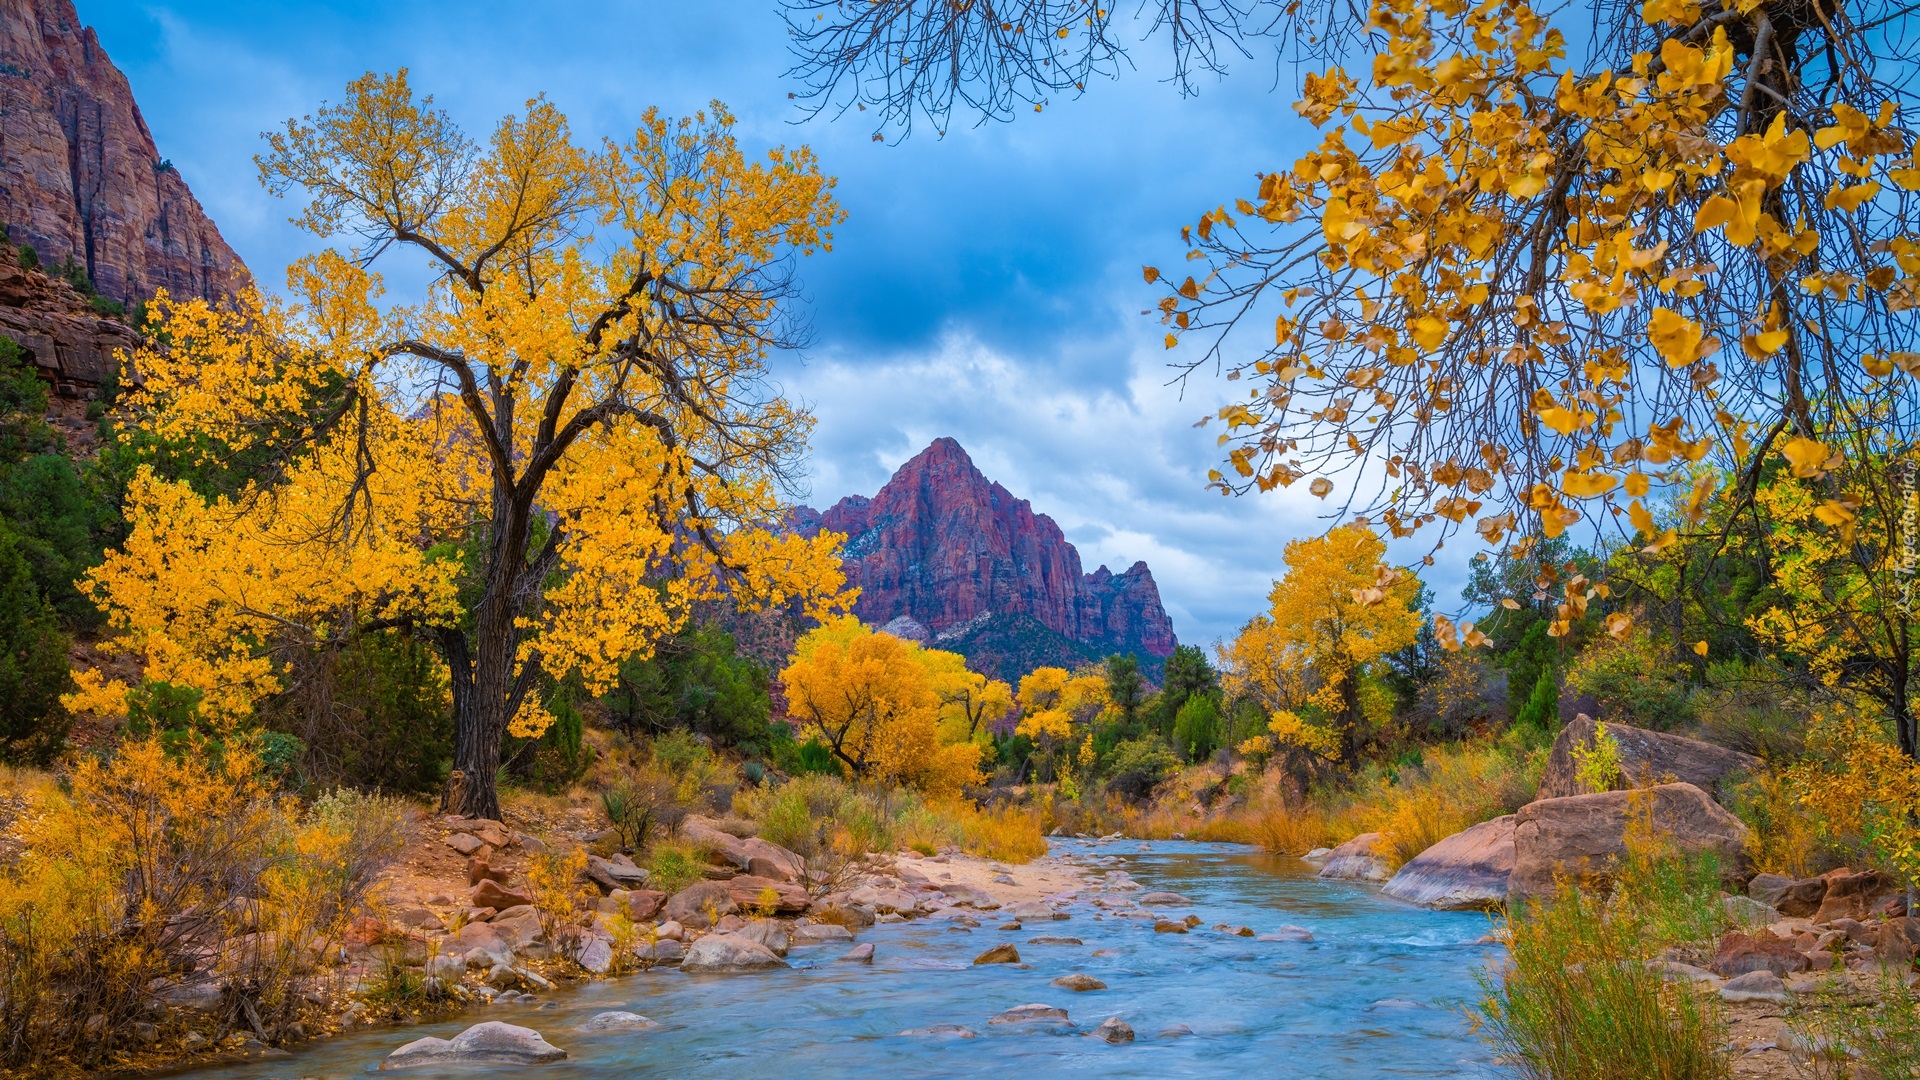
x,y
1375,993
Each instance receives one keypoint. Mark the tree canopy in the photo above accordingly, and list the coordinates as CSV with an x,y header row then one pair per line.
x,y
544,462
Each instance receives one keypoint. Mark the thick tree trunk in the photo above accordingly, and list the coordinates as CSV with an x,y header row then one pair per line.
x,y
480,721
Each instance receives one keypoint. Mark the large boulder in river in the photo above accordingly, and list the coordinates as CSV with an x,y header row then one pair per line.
x,y
728,954
1466,871
1583,836
1646,758
1357,860
700,905
491,1043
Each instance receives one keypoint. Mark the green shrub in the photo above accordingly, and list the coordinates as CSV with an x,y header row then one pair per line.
x,y
698,681
1137,766
34,670
1636,680
1196,728
1538,720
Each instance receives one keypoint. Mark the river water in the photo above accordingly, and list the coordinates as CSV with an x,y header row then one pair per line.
x,y
1377,992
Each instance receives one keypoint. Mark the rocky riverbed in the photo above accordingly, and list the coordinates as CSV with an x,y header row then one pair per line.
x,y
1129,958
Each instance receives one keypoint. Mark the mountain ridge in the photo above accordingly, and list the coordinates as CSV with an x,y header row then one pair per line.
x,y
977,570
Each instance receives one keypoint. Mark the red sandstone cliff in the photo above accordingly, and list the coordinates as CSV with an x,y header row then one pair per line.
x,y
80,177
944,546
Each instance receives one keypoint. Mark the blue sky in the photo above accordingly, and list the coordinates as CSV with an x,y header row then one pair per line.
x,y
986,285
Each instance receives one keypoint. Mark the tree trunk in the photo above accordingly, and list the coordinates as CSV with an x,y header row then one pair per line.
x,y
480,721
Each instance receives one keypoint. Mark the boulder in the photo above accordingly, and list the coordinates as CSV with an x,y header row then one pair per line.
x,y
464,843
518,926
1746,911
942,1031
1466,871
820,934
643,904
610,1023
1168,926
1755,986
491,1043
490,893
770,860
999,954
480,868
884,900
771,935
750,892
1053,939
1851,895
724,846
1581,836
969,896
480,938
1079,982
728,954
699,905
1796,897
1035,911
663,951
1355,860
1163,899
859,954
1740,953
1114,1030
610,874
1028,1014
1647,758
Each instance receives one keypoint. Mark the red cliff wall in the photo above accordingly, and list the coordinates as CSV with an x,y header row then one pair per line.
x,y
80,177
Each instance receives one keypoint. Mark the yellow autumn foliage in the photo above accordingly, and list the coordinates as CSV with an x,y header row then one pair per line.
x,y
1338,610
542,463
875,701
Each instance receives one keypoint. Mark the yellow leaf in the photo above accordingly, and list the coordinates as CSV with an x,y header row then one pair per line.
x,y
1877,366
1321,487
1642,520
1809,457
1678,339
1637,484
1700,648
1510,604
1565,421
1714,213
1618,624
1151,273
1587,485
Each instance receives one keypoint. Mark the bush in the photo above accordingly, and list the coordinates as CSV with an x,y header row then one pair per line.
x,y
1196,728
1635,680
1139,765
1577,1000
376,715
698,682
1538,720
159,867
34,670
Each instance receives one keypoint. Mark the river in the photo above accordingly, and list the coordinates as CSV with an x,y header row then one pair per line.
x,y
1376,993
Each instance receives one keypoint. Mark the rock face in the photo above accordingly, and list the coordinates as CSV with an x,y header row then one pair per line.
x,y
73,346
1646,757
943,551
80,177
1581,836
79,173
1466,871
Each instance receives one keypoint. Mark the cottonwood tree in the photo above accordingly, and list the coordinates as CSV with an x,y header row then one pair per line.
x,y
1507,289
541,464
1337,614
875,700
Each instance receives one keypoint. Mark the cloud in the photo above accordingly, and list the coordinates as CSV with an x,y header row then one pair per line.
x,y
1119,467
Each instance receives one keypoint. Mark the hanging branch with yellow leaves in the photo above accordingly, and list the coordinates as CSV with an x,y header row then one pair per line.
x,y
1515,293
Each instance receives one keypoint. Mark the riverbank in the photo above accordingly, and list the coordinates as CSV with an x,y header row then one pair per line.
x,y
1359,987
